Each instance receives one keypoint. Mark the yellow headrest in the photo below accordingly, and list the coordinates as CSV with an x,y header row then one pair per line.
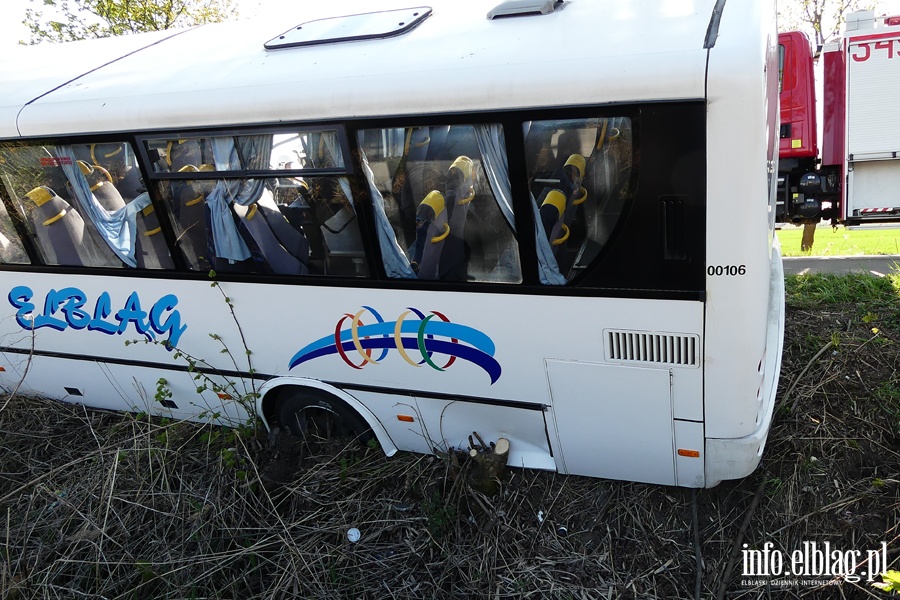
x,y
40,195
435,200
147,210
188,169
464,164
86,169
578,162
557,200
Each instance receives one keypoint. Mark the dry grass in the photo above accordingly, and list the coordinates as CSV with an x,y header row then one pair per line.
x,y
95,504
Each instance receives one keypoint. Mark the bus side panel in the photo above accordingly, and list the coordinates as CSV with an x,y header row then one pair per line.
x,y
742,141
632,437
172,394
449,425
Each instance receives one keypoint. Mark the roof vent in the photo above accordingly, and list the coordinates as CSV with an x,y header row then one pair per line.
x,y
521,8
351,28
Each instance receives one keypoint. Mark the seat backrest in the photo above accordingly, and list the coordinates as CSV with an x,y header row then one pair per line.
x,y
189,210
460,192
60,229
432,229
258,223
102,186
559,204
412,180
150,248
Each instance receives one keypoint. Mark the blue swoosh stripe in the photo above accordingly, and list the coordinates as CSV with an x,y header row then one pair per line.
x,y
467,353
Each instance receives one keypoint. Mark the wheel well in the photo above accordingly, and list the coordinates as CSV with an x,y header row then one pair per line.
x,y
272,399
269,405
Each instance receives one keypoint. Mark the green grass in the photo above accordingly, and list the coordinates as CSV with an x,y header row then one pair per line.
x,y
879,294
841,242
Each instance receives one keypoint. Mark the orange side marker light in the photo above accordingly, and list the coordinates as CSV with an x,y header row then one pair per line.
x,y
688,453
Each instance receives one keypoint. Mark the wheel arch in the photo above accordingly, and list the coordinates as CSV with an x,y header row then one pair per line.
x,y
272,390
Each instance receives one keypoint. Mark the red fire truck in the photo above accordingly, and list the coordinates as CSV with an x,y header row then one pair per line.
x,y
854,177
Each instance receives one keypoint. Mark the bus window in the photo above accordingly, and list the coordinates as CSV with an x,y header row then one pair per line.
x,y
11,249
442,202
303,150
288,218
580,173
84,204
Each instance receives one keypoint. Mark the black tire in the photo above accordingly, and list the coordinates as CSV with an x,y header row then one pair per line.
x,y
317,416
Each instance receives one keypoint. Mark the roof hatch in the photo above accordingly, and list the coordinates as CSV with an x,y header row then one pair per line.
x,y
351,28
521,8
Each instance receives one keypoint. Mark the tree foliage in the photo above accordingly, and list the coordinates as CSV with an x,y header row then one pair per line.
x,y
69,20
821,19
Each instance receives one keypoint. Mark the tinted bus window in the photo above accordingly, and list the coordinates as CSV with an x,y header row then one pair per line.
x,y
295,223
84,204
442,202
580,173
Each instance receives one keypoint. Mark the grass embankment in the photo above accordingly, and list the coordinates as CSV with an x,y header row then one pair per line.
x,y
840,241
96,504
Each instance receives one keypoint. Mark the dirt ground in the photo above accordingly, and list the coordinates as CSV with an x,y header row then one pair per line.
x,y
101,505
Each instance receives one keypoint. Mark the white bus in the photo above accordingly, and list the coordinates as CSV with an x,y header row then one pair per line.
x,y
550,222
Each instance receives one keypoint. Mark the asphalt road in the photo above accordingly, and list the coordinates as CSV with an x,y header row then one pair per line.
x,y
877,265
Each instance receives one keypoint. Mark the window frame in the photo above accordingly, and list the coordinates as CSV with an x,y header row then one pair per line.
x,y
339,128
590,283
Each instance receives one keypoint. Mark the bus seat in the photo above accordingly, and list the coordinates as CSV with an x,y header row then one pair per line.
x,y
342,242
553,209
432,229
60,229
183,153
189,203
297,207
150,248
571,181
411,181
293,239
437,144
559,207
460,192
258,224
102,186
116,158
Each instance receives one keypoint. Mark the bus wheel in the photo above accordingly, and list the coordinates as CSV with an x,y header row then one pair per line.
x,y
320,417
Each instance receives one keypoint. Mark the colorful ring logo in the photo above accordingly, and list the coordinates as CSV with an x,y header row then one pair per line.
x,y
431,335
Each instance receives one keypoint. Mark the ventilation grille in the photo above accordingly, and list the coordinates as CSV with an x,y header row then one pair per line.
x,y
652,348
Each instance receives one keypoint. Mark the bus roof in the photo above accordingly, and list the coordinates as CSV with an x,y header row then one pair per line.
x,y
455,60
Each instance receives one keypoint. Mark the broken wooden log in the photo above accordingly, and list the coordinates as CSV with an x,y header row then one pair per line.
x,y
489,465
